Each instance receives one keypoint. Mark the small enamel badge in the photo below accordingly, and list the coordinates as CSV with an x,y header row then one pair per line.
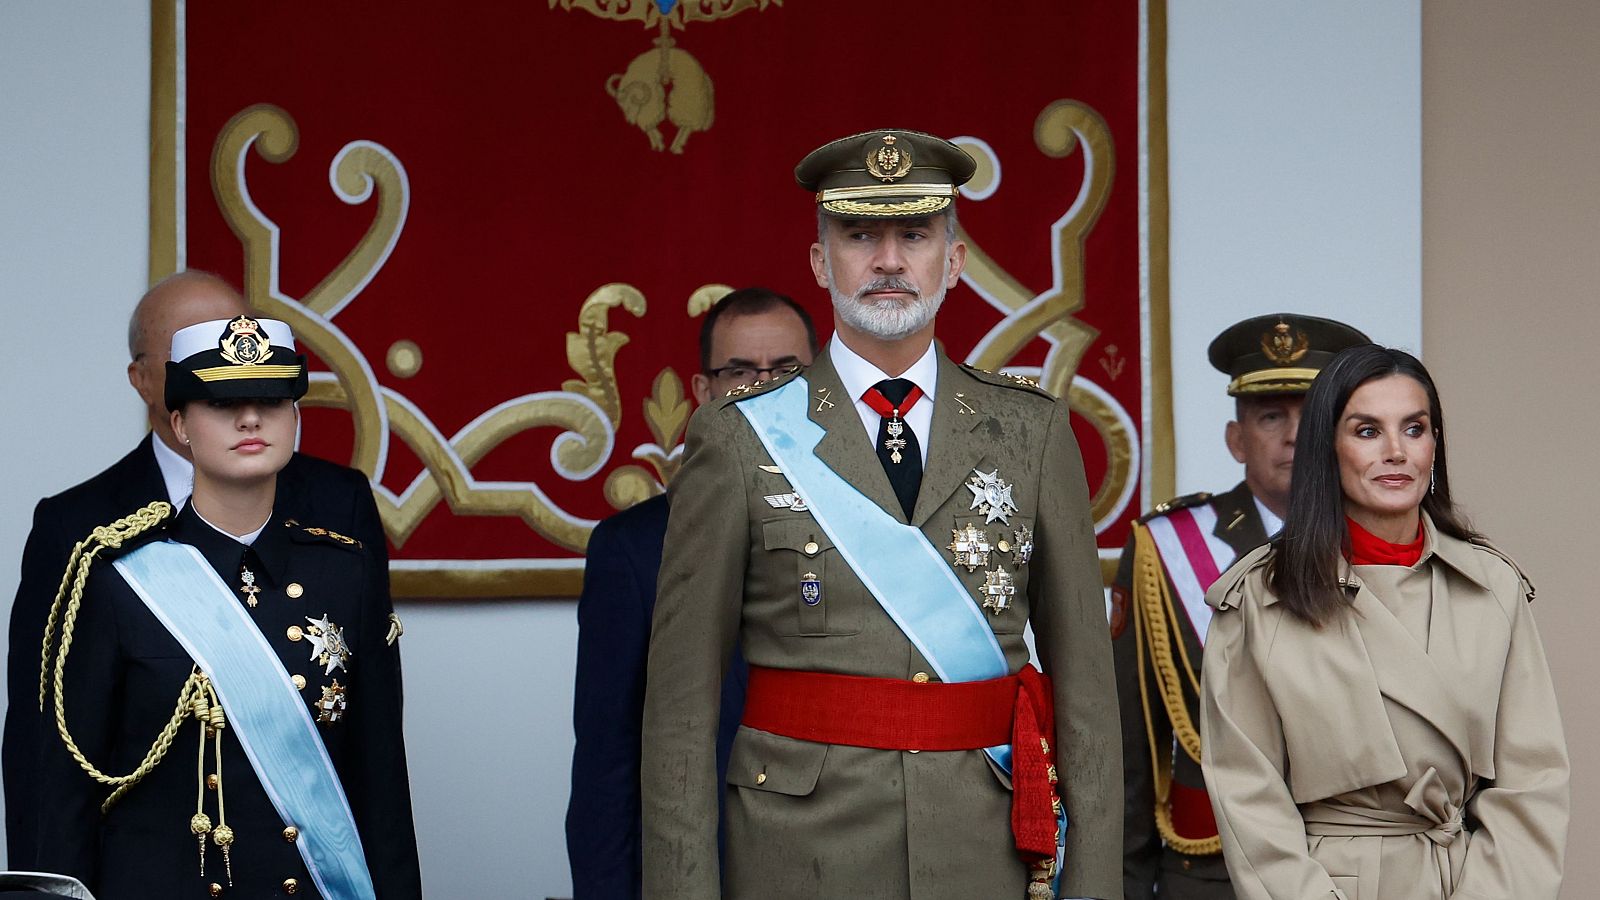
x,y
971,546
811,589
991,496
997,590
327,644
333,703
1022,546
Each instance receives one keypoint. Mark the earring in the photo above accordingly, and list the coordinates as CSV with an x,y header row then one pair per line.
x,y
1433,479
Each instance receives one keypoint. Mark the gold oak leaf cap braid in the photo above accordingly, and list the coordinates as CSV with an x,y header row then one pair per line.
x,y
105,537
1153,613
1280,353
891,173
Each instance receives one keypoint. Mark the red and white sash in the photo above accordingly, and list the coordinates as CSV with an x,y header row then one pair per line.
x,y
1193,558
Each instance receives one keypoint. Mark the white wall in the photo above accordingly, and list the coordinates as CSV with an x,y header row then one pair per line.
x,y
1295,164
1294,172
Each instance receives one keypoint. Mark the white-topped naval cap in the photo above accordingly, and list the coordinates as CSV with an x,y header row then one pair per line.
x,y
204,336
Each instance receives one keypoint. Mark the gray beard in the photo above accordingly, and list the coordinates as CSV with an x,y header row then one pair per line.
x,y
886,319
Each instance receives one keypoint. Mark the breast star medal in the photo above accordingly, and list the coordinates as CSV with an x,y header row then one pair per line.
x,y
991,496
810,589
247,585
997,590
971,546
333,703
1022,548
327,644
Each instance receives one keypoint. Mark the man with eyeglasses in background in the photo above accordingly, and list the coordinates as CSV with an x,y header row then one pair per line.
x,y
751,335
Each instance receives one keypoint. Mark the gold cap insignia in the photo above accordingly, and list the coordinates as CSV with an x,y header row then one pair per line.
x,y
244,344
890,161
1285,346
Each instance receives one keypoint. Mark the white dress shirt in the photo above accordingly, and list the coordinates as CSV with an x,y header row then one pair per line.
x,y
176,472
858,376
1269,519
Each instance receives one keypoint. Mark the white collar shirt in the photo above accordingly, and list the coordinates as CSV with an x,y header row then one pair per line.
x,y
1269,519
858,376
176,472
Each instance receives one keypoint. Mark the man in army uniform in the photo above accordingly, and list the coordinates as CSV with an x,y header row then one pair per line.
x,y
877,531
1159,615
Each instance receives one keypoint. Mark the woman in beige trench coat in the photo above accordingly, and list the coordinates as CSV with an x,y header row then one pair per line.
x,y
1377,713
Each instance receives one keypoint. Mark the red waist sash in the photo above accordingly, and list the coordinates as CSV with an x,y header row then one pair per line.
x,y
891,714
1192,816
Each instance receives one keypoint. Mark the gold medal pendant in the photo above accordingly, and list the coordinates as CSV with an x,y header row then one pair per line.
x,y
895,443
247,586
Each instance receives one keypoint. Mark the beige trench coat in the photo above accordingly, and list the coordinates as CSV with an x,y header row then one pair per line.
x,y
1355,763
833,822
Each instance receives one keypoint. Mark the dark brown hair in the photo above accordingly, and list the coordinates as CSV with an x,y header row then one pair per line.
x,y
751,301
1304,568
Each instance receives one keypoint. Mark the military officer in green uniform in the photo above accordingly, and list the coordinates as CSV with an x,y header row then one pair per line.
x,y
877,531
1159,615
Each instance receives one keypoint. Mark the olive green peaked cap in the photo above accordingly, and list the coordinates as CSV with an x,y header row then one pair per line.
x,y
888,173
1280,353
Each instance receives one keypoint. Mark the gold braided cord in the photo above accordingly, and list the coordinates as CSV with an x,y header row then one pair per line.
x,y
104,537
1153,613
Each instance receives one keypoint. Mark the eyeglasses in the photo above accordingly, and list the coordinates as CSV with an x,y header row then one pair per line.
x,y
752,373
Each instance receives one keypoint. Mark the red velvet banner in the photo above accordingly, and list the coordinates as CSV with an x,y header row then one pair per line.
x,y
494,227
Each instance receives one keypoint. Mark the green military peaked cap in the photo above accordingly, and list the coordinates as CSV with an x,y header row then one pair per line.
x,y
888,173
1280,353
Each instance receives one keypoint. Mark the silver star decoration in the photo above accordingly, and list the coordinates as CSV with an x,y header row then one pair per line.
x,y
991,496
327,644
997,590
1024,545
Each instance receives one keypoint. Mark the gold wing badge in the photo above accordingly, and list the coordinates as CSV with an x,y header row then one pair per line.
x,y
665,84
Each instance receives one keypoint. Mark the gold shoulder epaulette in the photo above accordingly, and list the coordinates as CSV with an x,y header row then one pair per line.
x,y
1527,583
757,387
1176,503
323,534
1007,379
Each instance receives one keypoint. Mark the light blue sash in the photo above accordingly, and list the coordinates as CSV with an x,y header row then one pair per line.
x,y
907,574
264,709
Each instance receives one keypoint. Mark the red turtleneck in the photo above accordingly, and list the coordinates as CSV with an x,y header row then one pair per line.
x,y
1367,549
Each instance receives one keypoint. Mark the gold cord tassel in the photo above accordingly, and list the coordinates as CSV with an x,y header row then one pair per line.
x,y
1153,614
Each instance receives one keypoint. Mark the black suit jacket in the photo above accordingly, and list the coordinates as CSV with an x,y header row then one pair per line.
x,y
123,674
310,489
614,613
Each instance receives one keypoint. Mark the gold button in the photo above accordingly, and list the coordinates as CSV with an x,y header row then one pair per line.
x,y
295,633
761,778
291,886
216,889
812,548
299,681
1003,546
294,590
211,781
920,678
291,834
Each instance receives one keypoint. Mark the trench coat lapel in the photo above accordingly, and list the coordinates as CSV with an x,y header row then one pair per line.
x,y
952,454
1406,674
845,446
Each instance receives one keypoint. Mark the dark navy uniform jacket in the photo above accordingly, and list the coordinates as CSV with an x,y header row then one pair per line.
x,y
313,490
614,612
123,677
